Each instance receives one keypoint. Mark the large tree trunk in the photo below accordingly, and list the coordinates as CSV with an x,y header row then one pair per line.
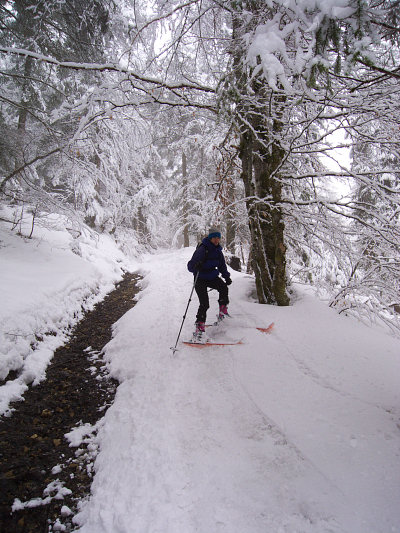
x,y
266,163
263,190
259,261
258,118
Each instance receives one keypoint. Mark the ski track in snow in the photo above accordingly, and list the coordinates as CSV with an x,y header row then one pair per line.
x,y
246,439
323,382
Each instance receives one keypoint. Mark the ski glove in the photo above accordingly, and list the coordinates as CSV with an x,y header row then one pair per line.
x,y
228,281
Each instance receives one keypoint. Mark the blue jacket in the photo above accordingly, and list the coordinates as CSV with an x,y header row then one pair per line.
x,y
211,264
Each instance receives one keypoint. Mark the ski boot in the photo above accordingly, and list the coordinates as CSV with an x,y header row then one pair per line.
x,y
200,333
223,313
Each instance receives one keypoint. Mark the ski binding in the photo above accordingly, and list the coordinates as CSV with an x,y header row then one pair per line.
x,y
209,343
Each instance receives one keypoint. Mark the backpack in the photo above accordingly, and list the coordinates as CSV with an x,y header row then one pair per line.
x,y
202,244
198,246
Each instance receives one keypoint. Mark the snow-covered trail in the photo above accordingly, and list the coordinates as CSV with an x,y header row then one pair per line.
x,y
296,431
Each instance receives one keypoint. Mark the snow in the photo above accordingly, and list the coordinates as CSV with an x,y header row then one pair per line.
x,y
295,431
78,434
55,490
46,283
283,46
267,43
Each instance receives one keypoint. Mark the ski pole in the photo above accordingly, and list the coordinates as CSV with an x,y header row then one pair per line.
x,y
175,349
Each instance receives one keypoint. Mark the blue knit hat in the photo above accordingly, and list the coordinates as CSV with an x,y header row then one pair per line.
x,y
214,233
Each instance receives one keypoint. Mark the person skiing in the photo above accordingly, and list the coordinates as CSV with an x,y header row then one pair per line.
x,y
208,261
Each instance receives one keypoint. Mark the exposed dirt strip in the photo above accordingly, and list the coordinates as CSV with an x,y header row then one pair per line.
x,y
37,463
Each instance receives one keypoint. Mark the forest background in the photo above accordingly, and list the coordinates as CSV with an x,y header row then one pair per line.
x,y
151,121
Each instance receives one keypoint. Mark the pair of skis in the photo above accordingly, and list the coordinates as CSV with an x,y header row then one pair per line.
x,y
195,344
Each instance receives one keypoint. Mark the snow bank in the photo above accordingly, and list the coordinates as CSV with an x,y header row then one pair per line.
x,y
46,284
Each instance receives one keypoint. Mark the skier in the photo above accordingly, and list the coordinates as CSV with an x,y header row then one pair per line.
x,y
208,260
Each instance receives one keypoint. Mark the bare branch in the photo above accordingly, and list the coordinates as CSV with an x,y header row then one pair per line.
x,y
26,165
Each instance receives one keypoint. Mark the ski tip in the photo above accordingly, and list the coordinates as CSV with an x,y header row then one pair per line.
x,y
268,329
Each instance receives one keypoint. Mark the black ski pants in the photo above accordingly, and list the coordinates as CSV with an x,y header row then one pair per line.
x,y
201,289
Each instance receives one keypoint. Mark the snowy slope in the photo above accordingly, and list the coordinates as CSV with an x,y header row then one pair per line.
x,y
292,432
45,284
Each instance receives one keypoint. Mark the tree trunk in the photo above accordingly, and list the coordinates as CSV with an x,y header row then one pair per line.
x,y
23,113
185,204
258,118
264,193
230,221
269,189
141,224
258,257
